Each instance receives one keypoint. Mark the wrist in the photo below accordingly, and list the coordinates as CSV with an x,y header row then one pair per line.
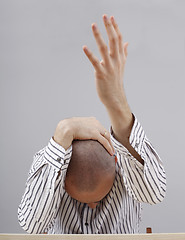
x,y
64,134
120,113
116,102
121,121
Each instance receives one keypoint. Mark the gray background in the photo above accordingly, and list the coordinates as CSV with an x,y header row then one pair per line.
x,y
45,77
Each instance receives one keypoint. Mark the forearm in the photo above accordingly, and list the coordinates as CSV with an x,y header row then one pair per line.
x,y
37,202
43,187
143,183
122,121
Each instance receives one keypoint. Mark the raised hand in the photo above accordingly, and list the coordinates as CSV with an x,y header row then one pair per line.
x,y
110,70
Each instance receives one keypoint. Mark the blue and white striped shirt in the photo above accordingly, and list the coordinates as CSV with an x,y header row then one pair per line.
x,y
46,206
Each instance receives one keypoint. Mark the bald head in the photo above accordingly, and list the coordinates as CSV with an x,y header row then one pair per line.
x,y
91,168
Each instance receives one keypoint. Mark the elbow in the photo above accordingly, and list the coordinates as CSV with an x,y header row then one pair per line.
x,y
156,201
28,224
33,229
158,197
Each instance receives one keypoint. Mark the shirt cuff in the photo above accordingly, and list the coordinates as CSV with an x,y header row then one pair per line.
x,y
57,156
136,139
137,136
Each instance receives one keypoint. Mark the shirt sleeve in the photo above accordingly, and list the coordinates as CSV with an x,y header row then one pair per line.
x,y
41,199
144,183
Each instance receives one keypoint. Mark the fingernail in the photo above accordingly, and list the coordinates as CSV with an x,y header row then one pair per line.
x,y
85,48
105,17
113,152
112,18
94,26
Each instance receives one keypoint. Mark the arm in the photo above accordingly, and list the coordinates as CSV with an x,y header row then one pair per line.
x,y
41,199
141,166
143,183
109,81
45,184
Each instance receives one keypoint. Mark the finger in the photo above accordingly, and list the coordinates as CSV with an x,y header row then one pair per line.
x,y
105,143
119,35
106,135
125,49
94,60
101,44
113,39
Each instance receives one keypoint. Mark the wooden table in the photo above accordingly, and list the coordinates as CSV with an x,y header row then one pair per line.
x,y
153,236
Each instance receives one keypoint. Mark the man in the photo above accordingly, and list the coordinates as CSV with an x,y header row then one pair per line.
x,y
74,184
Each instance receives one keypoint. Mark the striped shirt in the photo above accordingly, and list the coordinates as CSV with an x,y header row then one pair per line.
x,y
47,207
